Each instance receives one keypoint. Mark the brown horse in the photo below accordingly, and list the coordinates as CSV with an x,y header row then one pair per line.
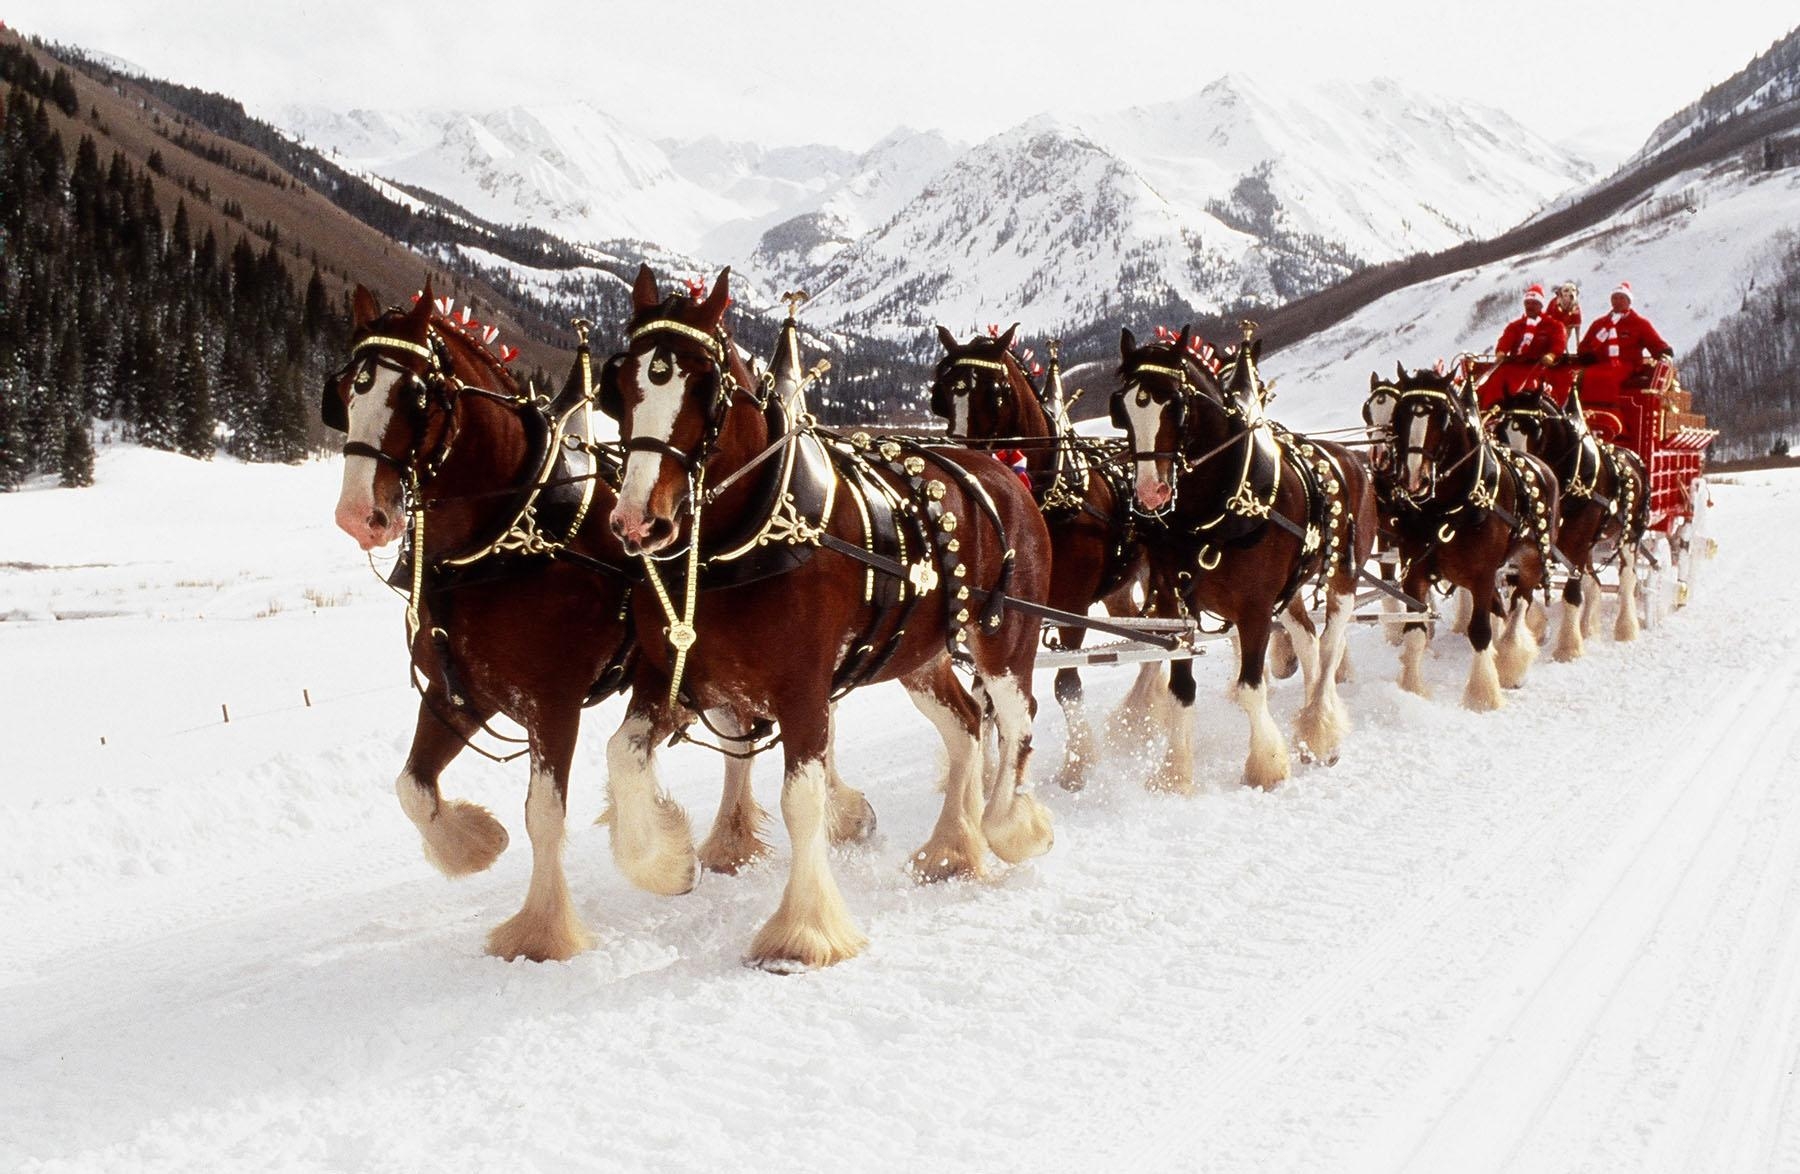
x,y
1462,510
521,613
766,600
981,388
436,424
1605,507
1240,514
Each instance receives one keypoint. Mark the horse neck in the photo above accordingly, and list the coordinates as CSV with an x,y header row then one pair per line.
x,y
743,435
1217,474
490,451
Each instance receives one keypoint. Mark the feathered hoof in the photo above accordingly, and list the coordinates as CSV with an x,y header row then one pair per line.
x,y
1171,777
554,935
1266,773
852,819
463,838
954,857
1071,776
731,852
1024,831
1537,620
664,861
787,946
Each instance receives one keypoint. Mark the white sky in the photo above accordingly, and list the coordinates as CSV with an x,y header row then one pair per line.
x,y
848,72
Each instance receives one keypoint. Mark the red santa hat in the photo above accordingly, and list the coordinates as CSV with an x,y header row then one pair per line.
x,y
1535,292
1624,287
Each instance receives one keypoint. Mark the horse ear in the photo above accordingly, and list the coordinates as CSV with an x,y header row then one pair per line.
x,y
1181,340
1005,341
363,309
1127,343
712,310
1400,370
421,311
1374,381
643,290
946,339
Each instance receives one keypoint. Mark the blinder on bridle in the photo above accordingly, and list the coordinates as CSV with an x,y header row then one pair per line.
x,y
334,410
966,384
714,388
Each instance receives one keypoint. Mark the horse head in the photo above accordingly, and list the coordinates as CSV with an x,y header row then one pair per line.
x,y
669,390
391,402
1434,423
1528,420
1167,403
982,390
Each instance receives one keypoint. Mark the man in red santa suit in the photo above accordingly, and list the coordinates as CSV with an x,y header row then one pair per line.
x,y
1619,350
1527,348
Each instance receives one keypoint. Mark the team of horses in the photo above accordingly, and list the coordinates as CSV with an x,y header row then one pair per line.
x,y
734,567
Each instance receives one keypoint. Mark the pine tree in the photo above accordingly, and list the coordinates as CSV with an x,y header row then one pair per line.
x,y
75,458
194,423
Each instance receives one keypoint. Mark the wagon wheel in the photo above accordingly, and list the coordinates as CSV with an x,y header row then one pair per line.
x,y
1658,577
1691,541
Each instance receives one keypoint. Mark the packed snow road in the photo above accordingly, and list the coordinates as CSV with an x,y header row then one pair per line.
x,y
1556,937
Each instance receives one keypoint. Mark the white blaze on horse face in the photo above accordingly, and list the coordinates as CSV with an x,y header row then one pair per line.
x,y
1144,416
1516,438
664,390
1416,424
369,414
959,409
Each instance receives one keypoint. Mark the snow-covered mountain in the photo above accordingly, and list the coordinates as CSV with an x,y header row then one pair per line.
x,y
570,169
1233,195
1229,197
1771,79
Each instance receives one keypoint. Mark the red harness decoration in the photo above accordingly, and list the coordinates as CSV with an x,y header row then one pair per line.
x,y
1013,459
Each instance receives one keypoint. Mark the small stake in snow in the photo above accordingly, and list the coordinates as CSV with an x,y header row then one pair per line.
x,y
226,712
307,695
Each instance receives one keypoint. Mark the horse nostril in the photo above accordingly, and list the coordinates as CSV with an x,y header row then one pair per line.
x,y
378,519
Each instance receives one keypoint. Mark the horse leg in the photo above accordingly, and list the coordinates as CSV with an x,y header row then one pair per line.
x,y
1175,773
1483,690
1517,650
1625,627
1079,749
651,841
1591,595
811,927
1569,644
546,928
1267,763
1283,659
1320,727
1126,728
1302,638
851,819
957,847
1465,604
459,837
1017,826
1416,638
1393,632
734,841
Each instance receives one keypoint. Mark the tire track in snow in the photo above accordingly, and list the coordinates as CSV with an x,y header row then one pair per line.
x,y
1497,1103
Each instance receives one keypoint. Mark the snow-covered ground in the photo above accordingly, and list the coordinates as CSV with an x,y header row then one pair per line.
x,y
1559,937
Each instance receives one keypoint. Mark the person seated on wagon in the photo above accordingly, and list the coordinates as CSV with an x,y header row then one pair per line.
x,y
1619,350
1528,347
1565,307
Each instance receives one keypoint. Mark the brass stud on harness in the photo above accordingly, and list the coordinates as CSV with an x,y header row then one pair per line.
x,y
861,441
948,522
914,466
890,450
934,489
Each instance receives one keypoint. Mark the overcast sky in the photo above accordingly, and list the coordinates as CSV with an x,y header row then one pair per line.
x,y
847,72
